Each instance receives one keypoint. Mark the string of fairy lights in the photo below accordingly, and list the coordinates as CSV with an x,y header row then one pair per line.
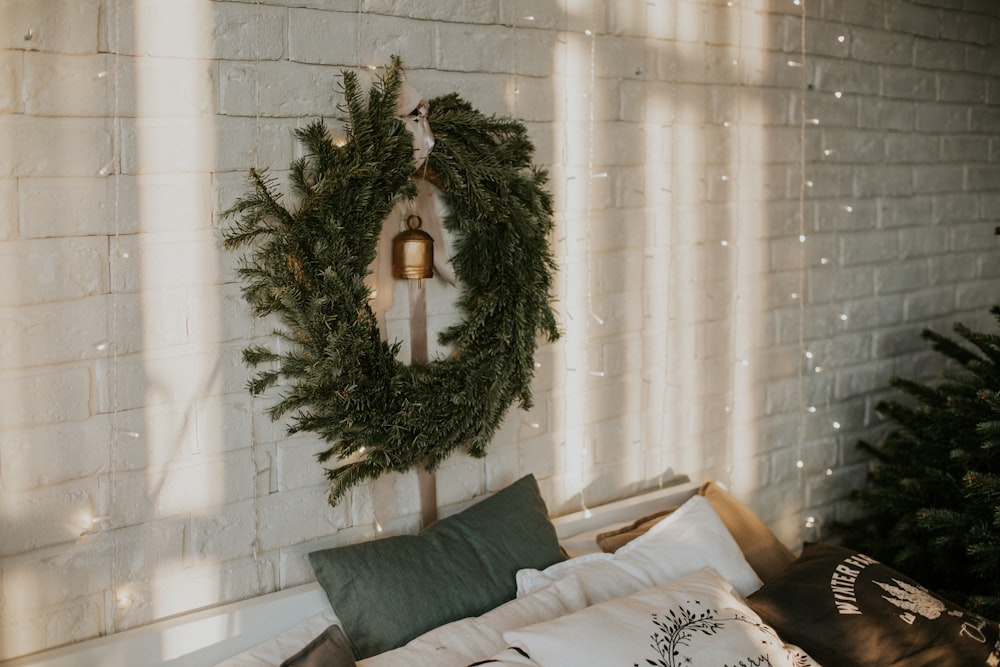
x,y
812,366
121,598
255,543
801,294
735,128
101,518
576,243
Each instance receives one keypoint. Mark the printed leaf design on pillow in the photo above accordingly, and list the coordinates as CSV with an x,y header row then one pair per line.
x,y
680,626
678,630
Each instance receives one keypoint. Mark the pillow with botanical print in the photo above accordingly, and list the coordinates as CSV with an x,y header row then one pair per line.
x,y
696,620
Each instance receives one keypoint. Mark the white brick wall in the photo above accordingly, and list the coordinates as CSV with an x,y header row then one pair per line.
x,y
138,479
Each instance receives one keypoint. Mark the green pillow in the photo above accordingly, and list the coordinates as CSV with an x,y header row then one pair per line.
x,y
389,591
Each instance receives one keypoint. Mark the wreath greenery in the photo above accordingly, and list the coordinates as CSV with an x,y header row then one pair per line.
x,y
308,266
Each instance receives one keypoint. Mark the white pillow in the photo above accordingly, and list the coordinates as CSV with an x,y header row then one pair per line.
x,y
698,619
691,538
476,638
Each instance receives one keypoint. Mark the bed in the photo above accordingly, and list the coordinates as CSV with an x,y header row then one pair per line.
x,y
683,575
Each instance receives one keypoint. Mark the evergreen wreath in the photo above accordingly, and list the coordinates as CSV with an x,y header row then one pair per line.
x,y
308,265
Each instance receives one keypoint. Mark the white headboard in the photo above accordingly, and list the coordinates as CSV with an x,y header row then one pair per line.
x,y
207,637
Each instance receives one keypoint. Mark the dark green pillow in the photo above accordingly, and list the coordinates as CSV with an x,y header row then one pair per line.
x,y
389,591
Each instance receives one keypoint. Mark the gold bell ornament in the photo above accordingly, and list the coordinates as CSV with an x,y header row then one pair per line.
x,y
413,252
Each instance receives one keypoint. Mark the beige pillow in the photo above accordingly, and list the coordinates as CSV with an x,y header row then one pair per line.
x,y
612,540
765,553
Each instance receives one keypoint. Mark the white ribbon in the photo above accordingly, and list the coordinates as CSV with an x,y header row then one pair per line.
x,y
412,109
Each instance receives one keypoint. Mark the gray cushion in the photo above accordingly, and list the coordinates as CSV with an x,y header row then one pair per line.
x,y
330,649
389,591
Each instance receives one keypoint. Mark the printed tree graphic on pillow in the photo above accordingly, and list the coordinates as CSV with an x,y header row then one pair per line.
x,y
911,598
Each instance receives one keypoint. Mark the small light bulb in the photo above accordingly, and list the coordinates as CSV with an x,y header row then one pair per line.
x,y
809,355
800,464
811,522
829,471
836,425
378,526
724,243
843,317
802,238
811,409
838,94
841,38
587,513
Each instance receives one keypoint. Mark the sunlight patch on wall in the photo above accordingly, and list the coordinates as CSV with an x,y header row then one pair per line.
x,y
173,259
573,98
751,264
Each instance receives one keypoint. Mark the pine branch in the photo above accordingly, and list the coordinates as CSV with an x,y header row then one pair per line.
x,y
932,505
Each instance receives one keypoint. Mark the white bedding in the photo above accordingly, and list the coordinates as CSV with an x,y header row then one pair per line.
x,y
686,542
457,643
698,619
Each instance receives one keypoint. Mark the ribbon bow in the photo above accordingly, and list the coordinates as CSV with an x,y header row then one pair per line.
x,y
412,109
